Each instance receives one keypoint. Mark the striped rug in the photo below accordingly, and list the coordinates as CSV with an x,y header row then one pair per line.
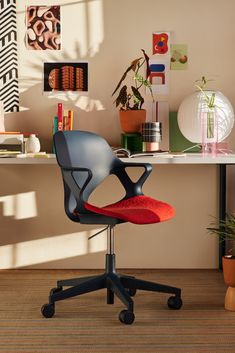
x,y
87,325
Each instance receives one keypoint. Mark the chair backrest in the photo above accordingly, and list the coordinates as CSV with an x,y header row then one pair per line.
x,y
83,149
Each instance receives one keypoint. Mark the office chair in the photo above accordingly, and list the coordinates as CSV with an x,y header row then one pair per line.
x,y
86,160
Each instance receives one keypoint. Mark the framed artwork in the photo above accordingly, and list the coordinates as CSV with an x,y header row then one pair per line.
x,y
65,76
43,27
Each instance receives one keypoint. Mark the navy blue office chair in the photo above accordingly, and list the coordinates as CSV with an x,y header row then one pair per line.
x,y
86,160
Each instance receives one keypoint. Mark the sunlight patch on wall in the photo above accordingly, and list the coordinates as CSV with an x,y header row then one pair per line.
x,y
50,249
20,206
96,26
82,35
84,102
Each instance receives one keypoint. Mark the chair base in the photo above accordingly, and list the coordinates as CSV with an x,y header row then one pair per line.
x,y
123,286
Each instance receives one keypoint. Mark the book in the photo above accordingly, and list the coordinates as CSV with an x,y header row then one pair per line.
x,y
70,118
123,152
33,155
11,142
60,117
55,124
7,153
10,132
12,138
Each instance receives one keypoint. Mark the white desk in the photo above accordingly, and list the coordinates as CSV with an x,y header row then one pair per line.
x,y
191,158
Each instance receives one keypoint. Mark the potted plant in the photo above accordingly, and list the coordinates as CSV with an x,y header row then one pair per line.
x,y
225,230
129,97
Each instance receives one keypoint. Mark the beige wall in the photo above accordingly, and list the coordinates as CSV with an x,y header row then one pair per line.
x,y
109,34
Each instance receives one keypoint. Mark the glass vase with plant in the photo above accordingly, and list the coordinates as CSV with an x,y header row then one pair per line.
x,y
209,122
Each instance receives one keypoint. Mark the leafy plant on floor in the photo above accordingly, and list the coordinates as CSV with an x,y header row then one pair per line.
x,y
225,230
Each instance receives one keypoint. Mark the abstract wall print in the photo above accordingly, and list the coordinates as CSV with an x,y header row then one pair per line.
x,y
159,74
161,43
179,57
43,27
9,86
66,76
159,64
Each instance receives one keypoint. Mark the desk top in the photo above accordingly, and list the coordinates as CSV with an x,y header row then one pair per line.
x,y
189,158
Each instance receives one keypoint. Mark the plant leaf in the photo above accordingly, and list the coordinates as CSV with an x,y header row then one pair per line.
x,y
122,79
137,96
122,97
135,63
147,63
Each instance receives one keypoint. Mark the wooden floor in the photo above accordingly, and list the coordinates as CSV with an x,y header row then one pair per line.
x,y
86,324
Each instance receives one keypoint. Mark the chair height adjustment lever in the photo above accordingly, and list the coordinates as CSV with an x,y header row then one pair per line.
x,y
100,231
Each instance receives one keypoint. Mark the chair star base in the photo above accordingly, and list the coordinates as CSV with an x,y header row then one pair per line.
x,y
123,286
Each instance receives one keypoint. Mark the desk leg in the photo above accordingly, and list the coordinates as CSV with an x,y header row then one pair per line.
x,y
222,207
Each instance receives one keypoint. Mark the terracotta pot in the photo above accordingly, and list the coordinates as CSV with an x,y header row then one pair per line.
x,y
131,120
229,270
229,279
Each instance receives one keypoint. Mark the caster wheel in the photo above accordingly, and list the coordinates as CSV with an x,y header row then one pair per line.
x,y
131,291
55,290
174,302
48,310
126,317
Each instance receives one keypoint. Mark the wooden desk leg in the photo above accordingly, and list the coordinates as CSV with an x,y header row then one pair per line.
x,y
222,207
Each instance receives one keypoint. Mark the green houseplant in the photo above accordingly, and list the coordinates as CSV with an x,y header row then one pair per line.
x,y
129,94
225,230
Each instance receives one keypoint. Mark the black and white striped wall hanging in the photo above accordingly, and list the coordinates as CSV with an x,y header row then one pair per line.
x,y
9,86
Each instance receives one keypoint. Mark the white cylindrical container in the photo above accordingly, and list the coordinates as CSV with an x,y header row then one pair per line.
x,y
32,144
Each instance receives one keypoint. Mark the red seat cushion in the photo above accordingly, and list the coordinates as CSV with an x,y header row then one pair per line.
x,y
138,209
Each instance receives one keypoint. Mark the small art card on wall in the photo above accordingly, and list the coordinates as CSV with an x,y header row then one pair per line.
x,y
161,43
43,27
179,57
65,76
159,64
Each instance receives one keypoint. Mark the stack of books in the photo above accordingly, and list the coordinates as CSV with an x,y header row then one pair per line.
x,y
64,119
11,143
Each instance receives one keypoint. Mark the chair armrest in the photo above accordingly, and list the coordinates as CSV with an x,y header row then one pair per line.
x,y
132,188
147,166
78,191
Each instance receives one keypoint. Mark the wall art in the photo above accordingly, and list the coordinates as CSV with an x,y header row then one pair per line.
x,y
9,86
65,76
161,43
179,57
43,27
159,65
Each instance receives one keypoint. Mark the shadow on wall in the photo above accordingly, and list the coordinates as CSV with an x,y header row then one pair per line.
x,y
94,110
39,116
35,231
54,248
19,206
